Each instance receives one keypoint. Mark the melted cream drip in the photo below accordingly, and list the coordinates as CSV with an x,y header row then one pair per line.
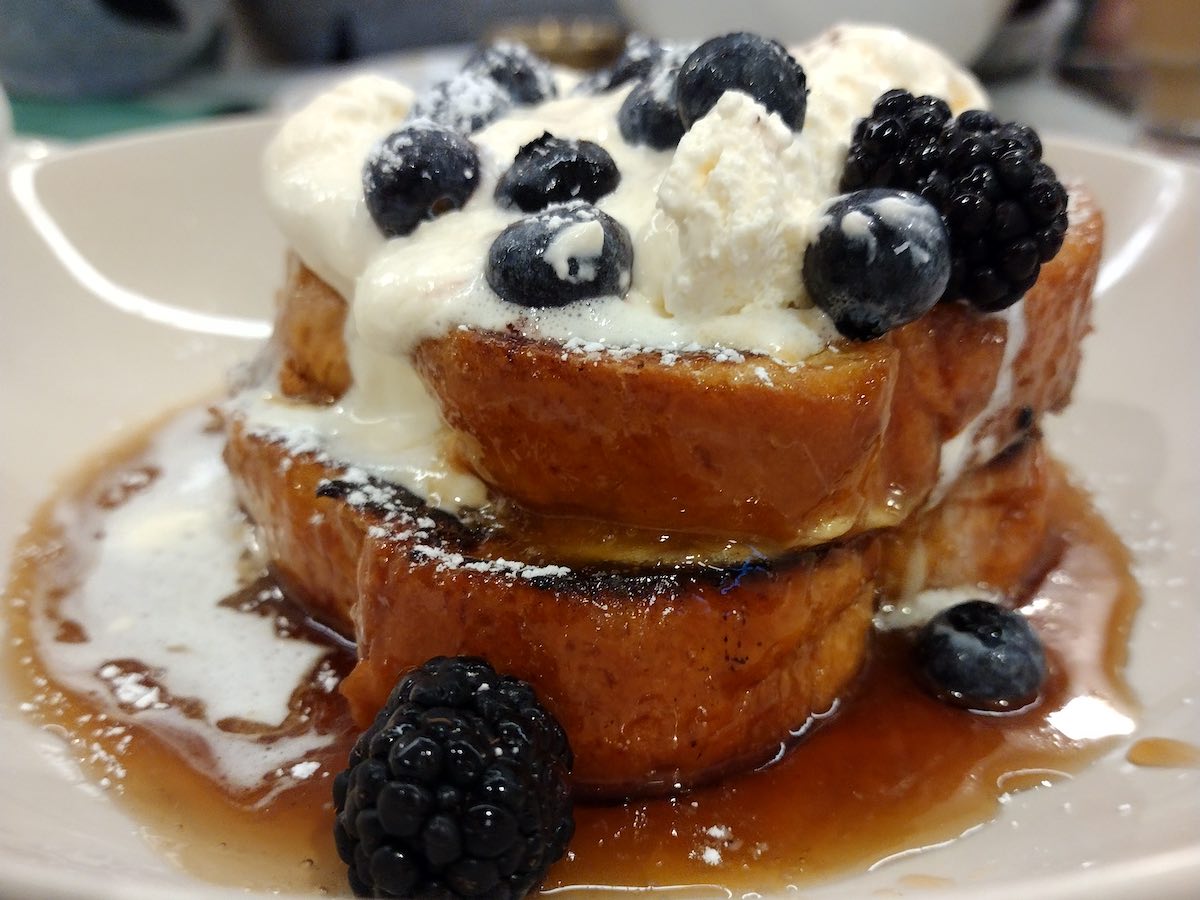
x,y
965,448
151,593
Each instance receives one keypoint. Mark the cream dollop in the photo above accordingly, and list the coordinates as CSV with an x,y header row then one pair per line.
x,y
739,193
313,175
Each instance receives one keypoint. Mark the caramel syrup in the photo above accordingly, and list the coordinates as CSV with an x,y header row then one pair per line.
x,y
891,770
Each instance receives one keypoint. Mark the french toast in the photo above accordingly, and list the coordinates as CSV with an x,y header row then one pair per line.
x,y
769,454
668,495
661,675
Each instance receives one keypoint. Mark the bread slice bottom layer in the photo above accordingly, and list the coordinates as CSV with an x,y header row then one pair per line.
x,y
661,676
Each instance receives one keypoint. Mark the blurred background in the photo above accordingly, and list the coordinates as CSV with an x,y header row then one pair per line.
x,y
1120,71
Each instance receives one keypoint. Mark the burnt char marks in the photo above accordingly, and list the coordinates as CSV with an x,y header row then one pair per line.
x,y
430,536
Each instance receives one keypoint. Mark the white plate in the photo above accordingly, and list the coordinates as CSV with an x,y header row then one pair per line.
x,y
134,273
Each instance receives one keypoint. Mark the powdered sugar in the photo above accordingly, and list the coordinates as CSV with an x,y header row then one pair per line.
x,y
465,102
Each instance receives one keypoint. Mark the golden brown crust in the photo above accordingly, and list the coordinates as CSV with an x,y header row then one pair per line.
x,y
309,321
988,531
848,442
754,451
658,675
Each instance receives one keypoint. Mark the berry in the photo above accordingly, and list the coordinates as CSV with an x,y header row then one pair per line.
x,y
1004,208
551,170
747,63
525,76
458,789
981,656
417,173
650,114
559,256
640,56
880,259
466,102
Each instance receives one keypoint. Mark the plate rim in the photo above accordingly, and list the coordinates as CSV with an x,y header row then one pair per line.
x,y
1178,867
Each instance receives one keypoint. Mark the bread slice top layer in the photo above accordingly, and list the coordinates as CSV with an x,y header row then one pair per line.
x,y
749,450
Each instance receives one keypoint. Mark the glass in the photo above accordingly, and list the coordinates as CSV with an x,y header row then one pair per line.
x,y
1166,45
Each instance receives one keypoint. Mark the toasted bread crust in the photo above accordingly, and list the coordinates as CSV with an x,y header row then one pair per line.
x,y
784,457
660,676
849,442
310,318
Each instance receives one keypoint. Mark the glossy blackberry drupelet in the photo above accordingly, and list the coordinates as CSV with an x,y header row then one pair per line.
x,y
458,789
1005,209
981,656
525,76
417,173
747,63
561,255
551,170
465,102
880,259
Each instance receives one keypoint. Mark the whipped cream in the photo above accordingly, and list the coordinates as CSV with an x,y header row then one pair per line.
x,y
718,225
313,175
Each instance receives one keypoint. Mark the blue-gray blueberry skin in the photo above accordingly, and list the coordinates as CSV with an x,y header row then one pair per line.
x,y
416,173
518,271
466,102
551,170
747,63
527,78
880,259
639,58
981,656
650,113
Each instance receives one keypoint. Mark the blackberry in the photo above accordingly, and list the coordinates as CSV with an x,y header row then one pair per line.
x,y
526,76
561,255
458,789
1004,208
555,170
418,173
981,656
747,63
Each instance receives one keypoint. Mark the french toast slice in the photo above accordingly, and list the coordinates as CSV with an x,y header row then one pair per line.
x,y
758,452
660,675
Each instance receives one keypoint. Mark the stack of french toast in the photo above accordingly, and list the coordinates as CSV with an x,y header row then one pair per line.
x,y
682,553
702,551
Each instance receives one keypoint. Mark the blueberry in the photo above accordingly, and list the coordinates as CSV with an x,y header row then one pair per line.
x,y
981,656
880,259
639,58
747,63
417,173
650,114
466,102
551,170
559,256
526,77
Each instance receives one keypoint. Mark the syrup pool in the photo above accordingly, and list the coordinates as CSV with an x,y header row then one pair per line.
x,y
145,629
